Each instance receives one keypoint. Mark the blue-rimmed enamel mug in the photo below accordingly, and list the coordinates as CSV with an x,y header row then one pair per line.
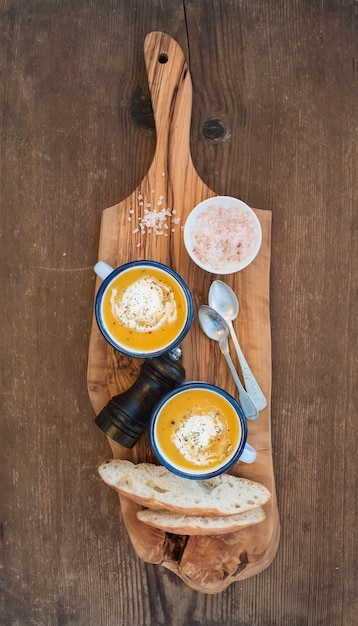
x,y
143,308
198,431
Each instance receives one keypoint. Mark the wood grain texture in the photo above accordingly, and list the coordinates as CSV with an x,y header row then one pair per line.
x,y
207,565
274,122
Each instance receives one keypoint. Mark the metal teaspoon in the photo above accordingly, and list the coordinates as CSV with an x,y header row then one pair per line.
x,y
215,327
224,300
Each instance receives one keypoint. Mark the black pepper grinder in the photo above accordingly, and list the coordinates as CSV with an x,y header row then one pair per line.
x,y
126,416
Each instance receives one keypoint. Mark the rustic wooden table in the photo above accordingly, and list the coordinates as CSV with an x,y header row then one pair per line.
x,y
274,122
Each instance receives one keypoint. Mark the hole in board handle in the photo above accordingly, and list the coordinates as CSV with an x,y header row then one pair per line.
x,y
163,58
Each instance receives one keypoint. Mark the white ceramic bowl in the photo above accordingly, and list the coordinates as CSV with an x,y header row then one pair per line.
x,y
222,235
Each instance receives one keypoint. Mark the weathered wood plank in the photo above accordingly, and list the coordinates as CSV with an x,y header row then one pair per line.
x,y
76,137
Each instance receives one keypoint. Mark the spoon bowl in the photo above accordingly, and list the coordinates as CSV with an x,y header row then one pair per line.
x,y
213,324
215,327
224,300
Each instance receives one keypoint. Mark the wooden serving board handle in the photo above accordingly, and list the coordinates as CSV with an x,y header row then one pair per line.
x,y
208,564
171,177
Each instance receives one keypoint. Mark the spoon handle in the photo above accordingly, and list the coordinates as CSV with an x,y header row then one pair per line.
x,y
247,404
251,384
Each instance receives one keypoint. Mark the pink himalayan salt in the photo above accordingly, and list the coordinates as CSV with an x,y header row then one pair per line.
x,y
222,237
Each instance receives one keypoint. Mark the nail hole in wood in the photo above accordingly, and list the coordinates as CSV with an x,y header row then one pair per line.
x,y
163,58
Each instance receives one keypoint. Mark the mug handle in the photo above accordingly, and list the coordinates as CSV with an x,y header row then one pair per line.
x,y
102,269
248,455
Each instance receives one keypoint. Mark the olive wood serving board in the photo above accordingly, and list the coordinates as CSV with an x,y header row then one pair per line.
x,y
206,563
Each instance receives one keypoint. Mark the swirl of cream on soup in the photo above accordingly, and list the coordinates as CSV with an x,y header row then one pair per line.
x,y
202,438
145,306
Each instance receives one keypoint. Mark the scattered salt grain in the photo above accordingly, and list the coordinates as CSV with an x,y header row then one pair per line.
x,y
155,221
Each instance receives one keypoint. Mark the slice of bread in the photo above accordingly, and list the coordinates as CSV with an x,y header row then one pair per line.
x,y
154,487
200,524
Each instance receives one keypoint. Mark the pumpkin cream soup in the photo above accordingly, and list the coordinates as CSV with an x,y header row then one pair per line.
x,y
197,429
144,309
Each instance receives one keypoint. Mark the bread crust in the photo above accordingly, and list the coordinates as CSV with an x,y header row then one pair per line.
x,y
202,524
